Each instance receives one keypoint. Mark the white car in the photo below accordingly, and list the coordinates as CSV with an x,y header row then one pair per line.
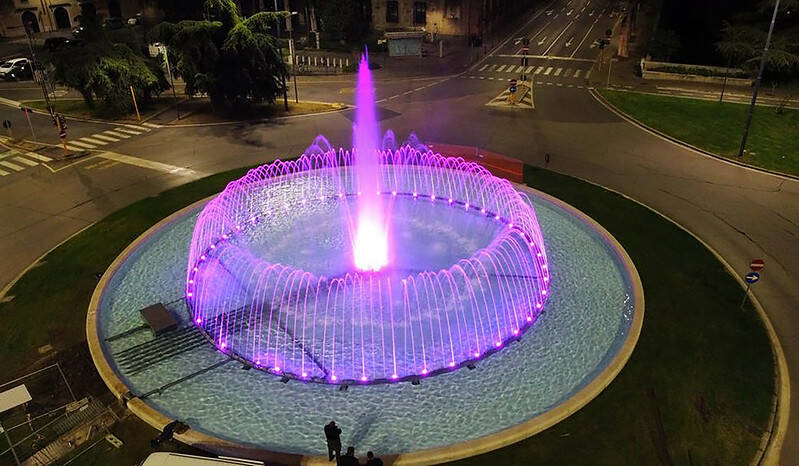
x,y
6,66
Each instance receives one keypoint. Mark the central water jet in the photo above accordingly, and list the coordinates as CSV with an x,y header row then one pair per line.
x,y
370,241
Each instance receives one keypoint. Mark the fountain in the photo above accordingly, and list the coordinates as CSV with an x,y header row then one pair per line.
x,y
370,265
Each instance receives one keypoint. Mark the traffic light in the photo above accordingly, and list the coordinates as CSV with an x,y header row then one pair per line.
x,y
62,122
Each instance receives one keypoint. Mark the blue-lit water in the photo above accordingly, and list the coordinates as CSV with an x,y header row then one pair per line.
x,y
585,321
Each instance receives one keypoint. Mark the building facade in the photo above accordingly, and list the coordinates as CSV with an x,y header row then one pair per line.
x,y
59,15
457,18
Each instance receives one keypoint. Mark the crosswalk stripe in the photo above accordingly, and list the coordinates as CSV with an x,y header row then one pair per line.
x,y
36,156
483,67
103,137
150,125
140,128
567,73
549,70
8,153
519,68
128,131
528,70
12,166
587,74
25,161
3,173
116,134
94,141
493,67
73,148
83,145
501,67
577,73
557,72
539,70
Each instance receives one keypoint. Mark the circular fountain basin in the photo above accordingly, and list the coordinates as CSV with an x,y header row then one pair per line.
x,y
575,347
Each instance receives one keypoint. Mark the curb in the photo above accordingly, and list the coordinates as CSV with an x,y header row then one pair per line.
x,y
343,108
768,452
601,99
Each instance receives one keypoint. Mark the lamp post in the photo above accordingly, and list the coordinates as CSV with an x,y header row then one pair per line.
x,y
162,48
757,81
283,77
293,57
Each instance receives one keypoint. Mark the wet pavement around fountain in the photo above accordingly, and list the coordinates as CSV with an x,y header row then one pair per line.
x,y
583,325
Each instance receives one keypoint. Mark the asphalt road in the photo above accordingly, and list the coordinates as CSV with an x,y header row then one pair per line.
x,y
741,213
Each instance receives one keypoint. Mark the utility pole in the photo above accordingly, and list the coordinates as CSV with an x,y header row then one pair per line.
x,y
757,81
171,81
292,55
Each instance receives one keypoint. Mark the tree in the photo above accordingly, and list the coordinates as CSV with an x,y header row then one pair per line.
x,y
345,20
234,60
106,70
737,44
664,44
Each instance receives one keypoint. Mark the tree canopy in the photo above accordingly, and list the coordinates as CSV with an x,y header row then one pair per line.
x,y
234,60
103,68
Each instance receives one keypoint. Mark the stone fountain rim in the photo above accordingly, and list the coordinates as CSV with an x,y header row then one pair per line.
x,y
452,452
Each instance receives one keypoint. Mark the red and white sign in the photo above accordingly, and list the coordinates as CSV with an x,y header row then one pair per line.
x,y
757,265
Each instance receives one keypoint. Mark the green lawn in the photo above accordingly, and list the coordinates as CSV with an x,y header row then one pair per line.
x,y
78,108
698,385
718,127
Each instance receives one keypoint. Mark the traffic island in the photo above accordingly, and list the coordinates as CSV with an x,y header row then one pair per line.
x,y
687,389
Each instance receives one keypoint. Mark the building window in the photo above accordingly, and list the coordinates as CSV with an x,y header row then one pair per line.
x,y
419,12
392,12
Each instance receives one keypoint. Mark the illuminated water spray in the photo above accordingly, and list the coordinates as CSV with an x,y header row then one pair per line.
x,y
373,265
370,242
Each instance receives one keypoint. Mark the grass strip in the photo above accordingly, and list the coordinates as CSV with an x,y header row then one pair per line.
x,y
718,127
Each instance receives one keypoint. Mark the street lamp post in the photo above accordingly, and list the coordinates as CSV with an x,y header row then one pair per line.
x,y
757,81
293,57
283,75
162,47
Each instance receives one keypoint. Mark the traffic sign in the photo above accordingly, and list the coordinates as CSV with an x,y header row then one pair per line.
x,y
752,277
757,265
512,87
7,124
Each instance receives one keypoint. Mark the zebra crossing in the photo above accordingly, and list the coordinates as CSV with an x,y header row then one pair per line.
x,y
103,138
563,72
13,161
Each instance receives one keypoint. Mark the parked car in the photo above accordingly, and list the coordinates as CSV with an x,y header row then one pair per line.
x,y
20,71
55,43
7,66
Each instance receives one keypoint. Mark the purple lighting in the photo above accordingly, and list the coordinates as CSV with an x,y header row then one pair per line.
x,y
376,311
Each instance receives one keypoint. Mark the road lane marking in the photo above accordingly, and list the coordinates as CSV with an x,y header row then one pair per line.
x,y
8,153
116,134
549,70
150,125
581,42
482,68
528,70
83,145
502,67
4,173
577,73
94,141
587,74
559,36
12,166
103,137
567,73
557,72
151,164
543,39
139,128
128,131
25,161
493,67
539,70
550,57
36,156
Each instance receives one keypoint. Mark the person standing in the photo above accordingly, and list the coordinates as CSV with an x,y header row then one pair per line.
x,y
372,461
333,436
